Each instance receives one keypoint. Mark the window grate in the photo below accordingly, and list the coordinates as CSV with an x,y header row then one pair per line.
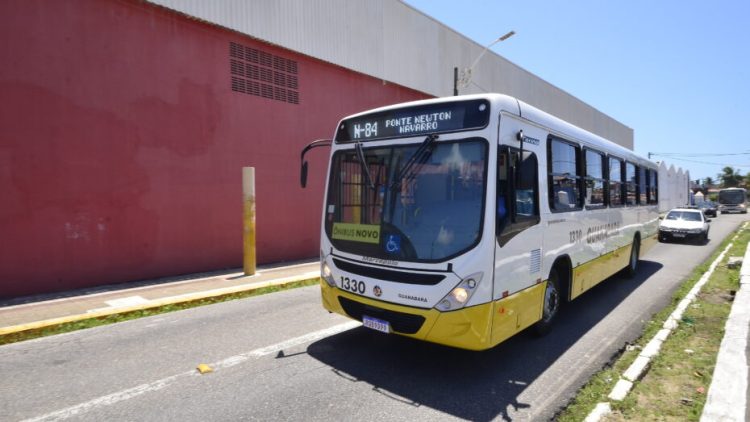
x,y
262,74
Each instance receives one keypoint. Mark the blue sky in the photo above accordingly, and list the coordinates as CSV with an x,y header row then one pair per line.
x,y
677,72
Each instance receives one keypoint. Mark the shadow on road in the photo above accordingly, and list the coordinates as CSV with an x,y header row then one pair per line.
x,y
478,386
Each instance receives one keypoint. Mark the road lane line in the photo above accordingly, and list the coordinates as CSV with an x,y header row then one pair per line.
x,y
307,338
110,399
157,385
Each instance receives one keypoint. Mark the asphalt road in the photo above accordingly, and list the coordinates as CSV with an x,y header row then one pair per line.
x,y
282,357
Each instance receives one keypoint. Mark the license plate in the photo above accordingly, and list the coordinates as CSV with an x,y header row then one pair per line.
x,y
376,324
679,235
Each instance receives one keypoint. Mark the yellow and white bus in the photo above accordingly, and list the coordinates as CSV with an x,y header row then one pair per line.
x,y
465,220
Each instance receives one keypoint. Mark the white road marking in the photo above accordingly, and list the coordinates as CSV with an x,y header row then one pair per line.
x,y
160,384
109,399
307,338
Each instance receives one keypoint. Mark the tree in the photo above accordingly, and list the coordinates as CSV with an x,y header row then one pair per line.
x,y
730,177
708,181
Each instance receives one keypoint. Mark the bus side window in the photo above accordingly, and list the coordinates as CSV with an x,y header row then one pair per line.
x,y
517,193
525,187
594,181
642,183
564,175
502,191
615,181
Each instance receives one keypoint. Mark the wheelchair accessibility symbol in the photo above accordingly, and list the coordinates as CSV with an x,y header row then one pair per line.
x,y
393,244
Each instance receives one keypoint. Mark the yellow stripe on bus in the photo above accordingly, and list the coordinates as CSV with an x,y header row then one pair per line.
x,y
517,312
591,273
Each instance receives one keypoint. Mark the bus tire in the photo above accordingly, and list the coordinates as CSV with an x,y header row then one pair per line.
x,y
551,305
635,252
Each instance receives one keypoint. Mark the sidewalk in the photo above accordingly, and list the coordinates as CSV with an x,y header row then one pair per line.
x,y
32,313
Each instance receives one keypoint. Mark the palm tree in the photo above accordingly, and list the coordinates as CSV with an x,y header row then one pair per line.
x,y
730,177
708,181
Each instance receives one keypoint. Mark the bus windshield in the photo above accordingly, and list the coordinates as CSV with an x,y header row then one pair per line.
x,y
424,206
732,197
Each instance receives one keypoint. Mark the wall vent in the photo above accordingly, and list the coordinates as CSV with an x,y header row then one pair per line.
x,y
259,73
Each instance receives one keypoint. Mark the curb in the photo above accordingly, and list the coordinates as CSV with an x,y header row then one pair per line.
x,y
726,399
156,303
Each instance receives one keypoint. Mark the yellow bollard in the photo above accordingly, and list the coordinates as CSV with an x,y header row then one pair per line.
x,y
248,219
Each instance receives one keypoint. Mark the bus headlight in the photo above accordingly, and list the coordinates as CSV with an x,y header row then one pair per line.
x,y
461,294
327,274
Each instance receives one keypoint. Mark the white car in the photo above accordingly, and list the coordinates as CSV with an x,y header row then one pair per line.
x,y
684,223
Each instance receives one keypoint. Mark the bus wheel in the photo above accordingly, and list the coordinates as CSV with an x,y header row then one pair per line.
x,y
551,303
635,251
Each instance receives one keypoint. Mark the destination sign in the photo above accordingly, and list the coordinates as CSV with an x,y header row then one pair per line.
x,y
414,121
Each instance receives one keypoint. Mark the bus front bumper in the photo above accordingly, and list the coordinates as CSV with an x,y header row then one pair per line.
x,y
468,328
476,327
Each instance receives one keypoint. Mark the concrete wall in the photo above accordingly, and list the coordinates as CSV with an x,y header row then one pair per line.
x,y
674,186
122,143
392,41
124,125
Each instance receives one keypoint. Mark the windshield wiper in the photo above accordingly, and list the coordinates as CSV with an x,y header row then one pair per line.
x,y
420,156
363,164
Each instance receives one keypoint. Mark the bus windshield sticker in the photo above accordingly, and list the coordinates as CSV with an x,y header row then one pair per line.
x,y
393,245
365,233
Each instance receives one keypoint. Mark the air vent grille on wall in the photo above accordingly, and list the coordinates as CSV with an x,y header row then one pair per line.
x,y
262,74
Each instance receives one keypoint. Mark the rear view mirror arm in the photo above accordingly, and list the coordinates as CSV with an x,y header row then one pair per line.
x,y
303,163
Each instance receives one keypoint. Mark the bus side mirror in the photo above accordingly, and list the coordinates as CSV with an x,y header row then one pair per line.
x,y
303,174
303,167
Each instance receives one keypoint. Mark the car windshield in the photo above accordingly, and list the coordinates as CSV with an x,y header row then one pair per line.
x,y
428,210
684,215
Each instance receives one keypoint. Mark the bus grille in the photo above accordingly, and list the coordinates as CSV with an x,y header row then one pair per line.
x,y
401,322
390,275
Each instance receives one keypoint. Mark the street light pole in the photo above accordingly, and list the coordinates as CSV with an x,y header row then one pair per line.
x,y
455,81
466,74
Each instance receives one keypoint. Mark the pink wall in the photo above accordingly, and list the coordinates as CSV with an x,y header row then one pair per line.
x,y
122,143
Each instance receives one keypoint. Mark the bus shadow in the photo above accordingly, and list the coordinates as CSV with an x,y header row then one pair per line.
x,y
478,386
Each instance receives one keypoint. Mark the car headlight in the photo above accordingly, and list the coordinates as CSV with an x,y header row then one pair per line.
x,y
695,230
460,295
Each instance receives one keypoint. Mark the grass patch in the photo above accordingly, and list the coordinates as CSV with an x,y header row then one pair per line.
x,y
676,385
127,316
